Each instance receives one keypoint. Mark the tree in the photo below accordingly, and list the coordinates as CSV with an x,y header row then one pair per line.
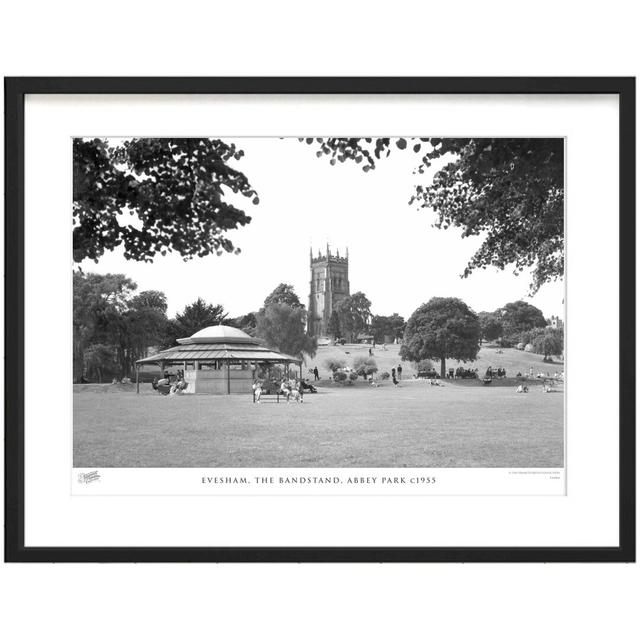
x,y
151,300
519,316
442,328
198,315
548,342
145,325
246,323
283,294
282,328
392,326
99,360
173,189
491,325
354,313
99,300
333,326
511,190
112,327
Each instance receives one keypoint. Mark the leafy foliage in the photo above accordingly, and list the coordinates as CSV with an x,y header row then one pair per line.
x,y
173,190
423,365
510,190
99,361
283,294
354,313
194,317
491,325
282,328
548,341
333,326
339,376
112,327
364,366
246,323
520,316
333,364
392,326
442,328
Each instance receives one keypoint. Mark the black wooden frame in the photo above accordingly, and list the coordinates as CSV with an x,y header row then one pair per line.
x,y
15,91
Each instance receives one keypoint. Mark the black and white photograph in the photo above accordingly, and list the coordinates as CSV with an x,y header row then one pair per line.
x,y
319,302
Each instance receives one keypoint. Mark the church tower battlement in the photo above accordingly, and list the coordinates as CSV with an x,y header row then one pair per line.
x,y
329,284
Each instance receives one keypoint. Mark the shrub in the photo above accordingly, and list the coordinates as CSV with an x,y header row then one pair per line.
x,y
339,376
333,364
364,366
353,376
385,375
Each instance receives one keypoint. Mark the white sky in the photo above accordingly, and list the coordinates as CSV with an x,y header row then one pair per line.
x,y
395,256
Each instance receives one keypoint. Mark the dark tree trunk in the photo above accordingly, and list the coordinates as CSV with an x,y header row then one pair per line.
x,y
443,366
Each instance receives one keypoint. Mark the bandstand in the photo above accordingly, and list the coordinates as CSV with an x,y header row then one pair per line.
x,y
218,360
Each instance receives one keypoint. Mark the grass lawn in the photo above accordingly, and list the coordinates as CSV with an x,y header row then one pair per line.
x,y
463,424
512,360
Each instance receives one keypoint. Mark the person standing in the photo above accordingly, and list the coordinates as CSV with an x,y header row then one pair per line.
x,y
393,373
315,374
399,372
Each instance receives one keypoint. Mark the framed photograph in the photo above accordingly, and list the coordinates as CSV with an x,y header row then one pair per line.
x,y
320,319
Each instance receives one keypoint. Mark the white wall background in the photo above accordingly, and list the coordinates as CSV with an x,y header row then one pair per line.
x,y
329,38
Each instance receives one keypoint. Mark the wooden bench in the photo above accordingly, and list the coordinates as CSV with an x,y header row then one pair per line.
x,y
270,392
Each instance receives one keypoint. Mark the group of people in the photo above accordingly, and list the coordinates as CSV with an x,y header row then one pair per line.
x,y
463,373
288,388
176,386
394,379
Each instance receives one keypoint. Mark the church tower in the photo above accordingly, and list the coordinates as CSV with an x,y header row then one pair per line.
x,y
329,284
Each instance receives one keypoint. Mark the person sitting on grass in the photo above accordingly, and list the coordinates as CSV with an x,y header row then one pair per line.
x,y
522,388
308,387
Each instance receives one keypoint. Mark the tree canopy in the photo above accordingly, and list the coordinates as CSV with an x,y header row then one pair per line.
x,y
510,190
548,342
283,294
520,316
440,329
333,326
153,195
491,325
112,327
282,327
246,323
194,317
354,314
391,326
